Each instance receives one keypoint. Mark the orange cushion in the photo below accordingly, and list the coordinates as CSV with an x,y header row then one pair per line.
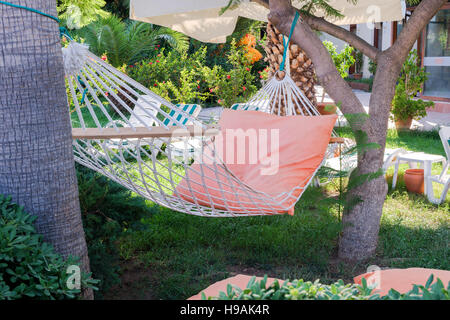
x,y
288,166
401,280
240,281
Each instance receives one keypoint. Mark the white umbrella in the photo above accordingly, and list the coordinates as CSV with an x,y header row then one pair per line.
x,y
200,19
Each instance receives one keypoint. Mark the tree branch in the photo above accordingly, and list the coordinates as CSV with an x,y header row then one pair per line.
x,y
321,24
352,39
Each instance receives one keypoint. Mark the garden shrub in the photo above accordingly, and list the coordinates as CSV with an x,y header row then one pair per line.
x,y
173,75
186,77
108,211
29,267
343,60
236,84
301,290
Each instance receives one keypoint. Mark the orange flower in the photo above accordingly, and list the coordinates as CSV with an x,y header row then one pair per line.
x,y
248,40
253,55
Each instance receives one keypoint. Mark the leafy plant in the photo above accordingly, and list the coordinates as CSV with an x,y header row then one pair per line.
x,y
342,60
233,85
409,84
186,78
29,267
128,42
76,14
372,67
359,59
176,76
306,290
404,108
412,75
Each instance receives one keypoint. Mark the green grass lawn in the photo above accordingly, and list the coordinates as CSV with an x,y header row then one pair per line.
x,y
175,255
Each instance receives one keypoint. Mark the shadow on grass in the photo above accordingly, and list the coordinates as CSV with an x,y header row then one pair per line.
x,y
187,253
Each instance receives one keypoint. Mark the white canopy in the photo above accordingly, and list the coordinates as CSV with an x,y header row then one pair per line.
x,y
200,19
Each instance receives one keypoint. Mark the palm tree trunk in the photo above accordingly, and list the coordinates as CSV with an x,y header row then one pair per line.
x,y
36,159
301,67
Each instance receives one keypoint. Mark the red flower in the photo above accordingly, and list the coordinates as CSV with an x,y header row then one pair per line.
x,y
104,57
211,90
131,66
247,69
157,61
150,62
158,45
198,87
228,76
155,84
219,101
244,88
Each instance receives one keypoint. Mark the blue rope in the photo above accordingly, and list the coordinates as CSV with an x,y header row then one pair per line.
x,y
286,44
62,31
30,9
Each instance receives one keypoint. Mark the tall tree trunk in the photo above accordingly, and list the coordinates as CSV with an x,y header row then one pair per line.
x,y
361,221
36,158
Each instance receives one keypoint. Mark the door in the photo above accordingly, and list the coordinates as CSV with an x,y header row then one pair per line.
x,y
437,56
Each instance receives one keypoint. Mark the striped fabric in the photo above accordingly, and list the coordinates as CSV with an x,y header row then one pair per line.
x,y
191,109
241,106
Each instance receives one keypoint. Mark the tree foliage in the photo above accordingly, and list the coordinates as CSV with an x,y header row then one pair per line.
x,y
76,14
128,42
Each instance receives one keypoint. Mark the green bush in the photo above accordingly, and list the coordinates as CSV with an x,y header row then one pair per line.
x,y
29,267
126,42
186,77
403,107
342,60
233,85
301,290
108,211
175,76
409,84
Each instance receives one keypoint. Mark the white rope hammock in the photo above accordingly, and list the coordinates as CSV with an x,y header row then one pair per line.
x,y
145,143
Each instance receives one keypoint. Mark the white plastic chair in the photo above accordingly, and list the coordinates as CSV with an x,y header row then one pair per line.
x,y
443,178
152,106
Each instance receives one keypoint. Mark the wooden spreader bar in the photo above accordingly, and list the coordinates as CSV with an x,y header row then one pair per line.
x,y
143,132
155,132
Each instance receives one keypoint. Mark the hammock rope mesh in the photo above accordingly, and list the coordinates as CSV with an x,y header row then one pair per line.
x,y
103,98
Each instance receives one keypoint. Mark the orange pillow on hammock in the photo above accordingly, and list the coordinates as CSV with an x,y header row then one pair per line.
x,y
274,157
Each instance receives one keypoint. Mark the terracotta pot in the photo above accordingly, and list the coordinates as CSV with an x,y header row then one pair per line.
x,y
403,124
414,180
326,108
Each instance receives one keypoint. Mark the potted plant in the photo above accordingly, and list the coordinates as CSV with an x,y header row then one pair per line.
x,y
358,65
404,107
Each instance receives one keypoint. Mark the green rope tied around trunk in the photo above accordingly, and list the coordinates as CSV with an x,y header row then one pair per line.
x,y
286,44
29,9
63,31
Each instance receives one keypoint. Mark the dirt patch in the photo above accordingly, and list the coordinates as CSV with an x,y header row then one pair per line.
x,y
135,283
